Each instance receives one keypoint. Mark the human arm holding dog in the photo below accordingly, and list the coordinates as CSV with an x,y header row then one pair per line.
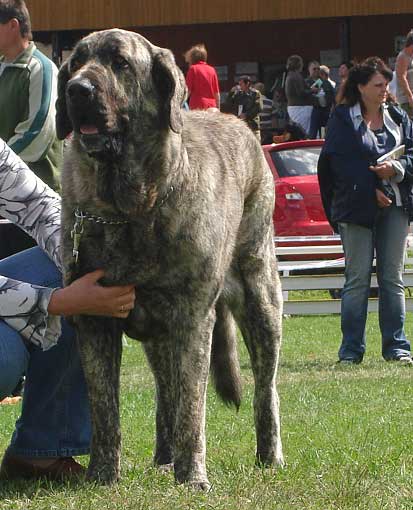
x,y
85,296
34,310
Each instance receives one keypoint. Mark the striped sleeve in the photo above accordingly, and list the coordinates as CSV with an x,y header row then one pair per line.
x,y
29,203
33,206
34,135
24,308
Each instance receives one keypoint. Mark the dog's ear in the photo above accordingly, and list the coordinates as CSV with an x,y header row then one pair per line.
x,y
170,83
63,124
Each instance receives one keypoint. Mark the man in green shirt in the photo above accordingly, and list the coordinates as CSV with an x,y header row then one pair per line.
x,y
28,89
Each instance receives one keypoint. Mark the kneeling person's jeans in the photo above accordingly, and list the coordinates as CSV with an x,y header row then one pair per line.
x,y
55,419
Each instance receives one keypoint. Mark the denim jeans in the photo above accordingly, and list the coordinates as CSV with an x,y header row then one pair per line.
x,y
388,238
55,419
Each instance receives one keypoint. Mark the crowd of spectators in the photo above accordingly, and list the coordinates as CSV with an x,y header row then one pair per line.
x,y
295,103
297,98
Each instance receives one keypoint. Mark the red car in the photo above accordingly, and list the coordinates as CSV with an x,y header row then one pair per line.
x,y
298,209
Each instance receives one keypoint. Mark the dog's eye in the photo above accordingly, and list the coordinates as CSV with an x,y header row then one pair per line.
x,y
75,65
78,59
120,63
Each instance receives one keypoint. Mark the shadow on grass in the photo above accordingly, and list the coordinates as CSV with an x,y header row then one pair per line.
x,y
300,364
28,489
309,364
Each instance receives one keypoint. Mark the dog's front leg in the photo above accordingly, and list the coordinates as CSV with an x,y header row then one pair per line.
x,y
159,357
192,354
100,347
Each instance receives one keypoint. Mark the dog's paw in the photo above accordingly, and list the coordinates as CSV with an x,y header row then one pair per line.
x,y
103,476
165,468
270,461
204,486
195,480
279,462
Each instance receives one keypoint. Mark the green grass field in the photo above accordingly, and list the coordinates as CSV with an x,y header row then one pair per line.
x,y
347,434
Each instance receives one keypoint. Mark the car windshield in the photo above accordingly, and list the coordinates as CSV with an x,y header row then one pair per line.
x,y
295,162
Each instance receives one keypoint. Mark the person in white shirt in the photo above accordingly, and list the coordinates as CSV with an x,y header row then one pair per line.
x,y
404,72
34,340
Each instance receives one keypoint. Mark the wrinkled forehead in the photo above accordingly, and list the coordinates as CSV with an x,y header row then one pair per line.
x,y
108,44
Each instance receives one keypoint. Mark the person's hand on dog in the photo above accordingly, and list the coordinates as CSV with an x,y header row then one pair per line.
x,y
85,296
383,170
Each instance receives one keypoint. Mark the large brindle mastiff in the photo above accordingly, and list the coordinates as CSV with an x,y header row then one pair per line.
x,y
179,204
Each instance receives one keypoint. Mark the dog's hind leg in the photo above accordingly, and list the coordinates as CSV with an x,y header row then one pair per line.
x,y
260,323
100,348
160,361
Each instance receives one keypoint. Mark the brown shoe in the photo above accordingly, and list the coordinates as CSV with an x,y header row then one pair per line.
x,y
63,468
10,400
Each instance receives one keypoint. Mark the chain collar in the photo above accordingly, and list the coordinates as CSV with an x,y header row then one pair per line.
x,y
78,228
82,215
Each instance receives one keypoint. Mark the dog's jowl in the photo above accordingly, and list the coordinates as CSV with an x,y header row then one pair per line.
x,y
179,204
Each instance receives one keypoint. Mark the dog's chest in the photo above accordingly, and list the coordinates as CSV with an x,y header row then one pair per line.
x,y
144,254
122,250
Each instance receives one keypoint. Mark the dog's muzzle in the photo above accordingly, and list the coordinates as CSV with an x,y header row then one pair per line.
x,y
102,145
89,122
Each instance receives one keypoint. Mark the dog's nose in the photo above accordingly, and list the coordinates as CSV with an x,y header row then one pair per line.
x,y
80,88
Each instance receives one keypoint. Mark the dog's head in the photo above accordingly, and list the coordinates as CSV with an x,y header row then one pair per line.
x,y
116,82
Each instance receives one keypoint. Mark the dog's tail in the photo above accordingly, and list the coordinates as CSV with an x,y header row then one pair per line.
x,y
225,367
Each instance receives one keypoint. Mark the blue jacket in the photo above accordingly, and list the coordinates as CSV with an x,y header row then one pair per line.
x,y
347,186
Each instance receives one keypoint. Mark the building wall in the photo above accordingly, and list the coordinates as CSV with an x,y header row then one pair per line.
x,y
375,35
262,42
272,42
92,14
267,42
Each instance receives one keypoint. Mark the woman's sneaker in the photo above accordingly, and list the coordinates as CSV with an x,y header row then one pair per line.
x,y
405,359
349,361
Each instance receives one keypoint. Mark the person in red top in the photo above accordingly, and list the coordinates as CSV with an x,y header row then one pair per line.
x,y
201,80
